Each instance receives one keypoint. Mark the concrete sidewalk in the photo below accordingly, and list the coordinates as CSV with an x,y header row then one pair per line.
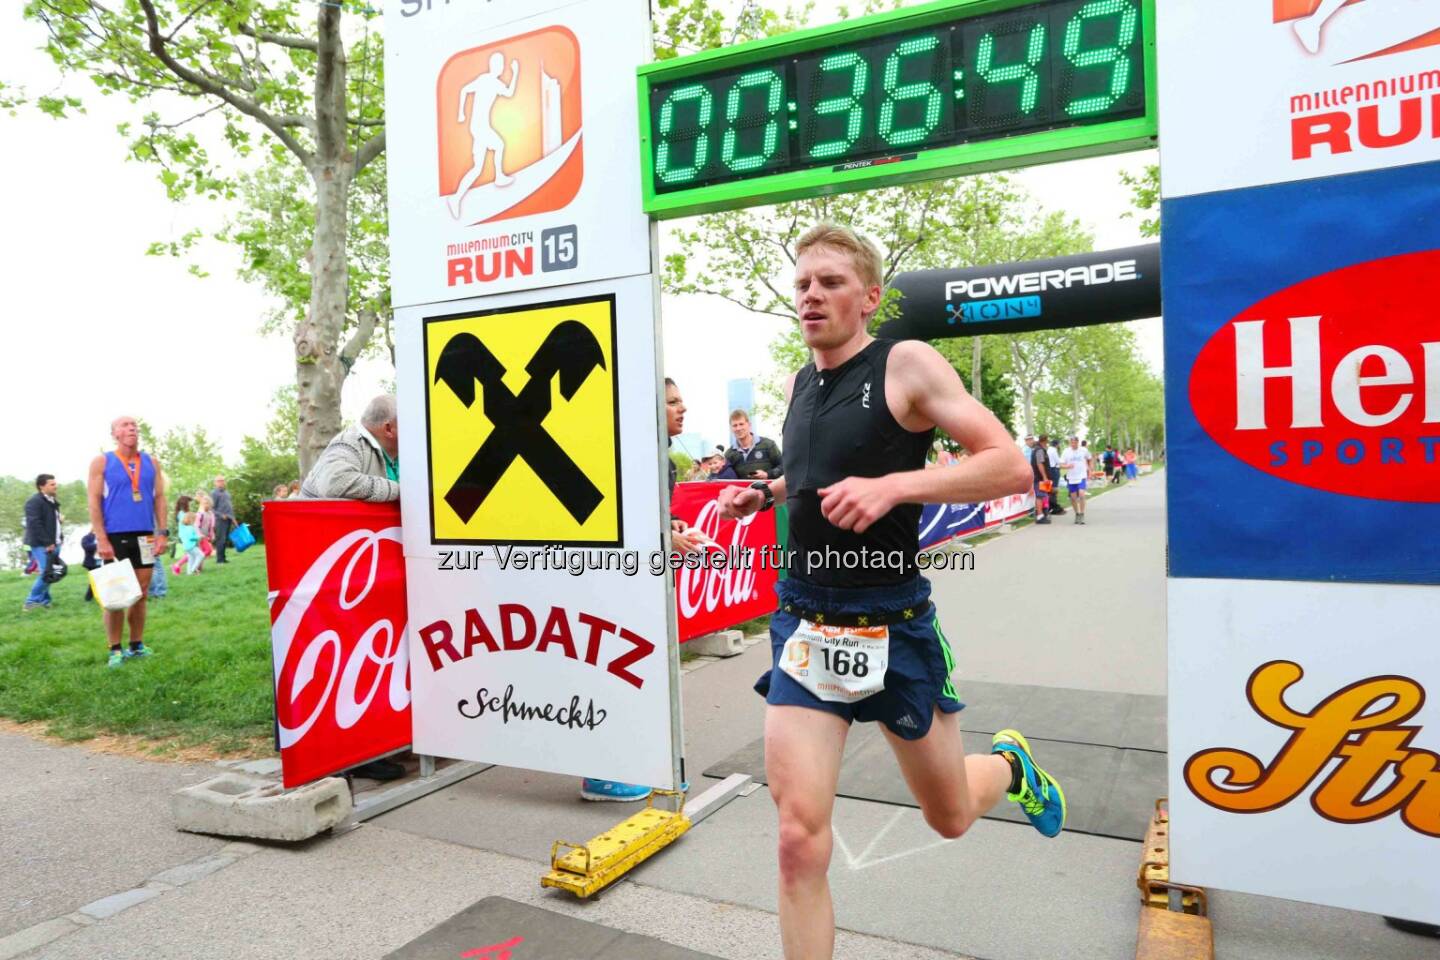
x,y
95,869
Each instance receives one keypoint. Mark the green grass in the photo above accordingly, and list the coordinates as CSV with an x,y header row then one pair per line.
x,y
208,684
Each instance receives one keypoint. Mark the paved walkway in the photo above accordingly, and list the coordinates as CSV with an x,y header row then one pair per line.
x,y
94,869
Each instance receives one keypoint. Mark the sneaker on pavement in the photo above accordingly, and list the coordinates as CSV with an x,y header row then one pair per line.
x,y
140,651
117,659
1040,795
592,789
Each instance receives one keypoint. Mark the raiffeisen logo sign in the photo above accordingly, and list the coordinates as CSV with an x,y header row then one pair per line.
x,y
1333,383
1382,112
508,119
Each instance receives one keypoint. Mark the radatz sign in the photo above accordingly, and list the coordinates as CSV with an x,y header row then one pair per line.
x,y
337,634
1301,257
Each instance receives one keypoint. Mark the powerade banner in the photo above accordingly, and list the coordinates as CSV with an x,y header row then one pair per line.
x,y
1102,287
1302,352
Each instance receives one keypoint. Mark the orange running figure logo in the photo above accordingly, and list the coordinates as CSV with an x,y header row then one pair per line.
x,y
1311,19
1362,725
508,118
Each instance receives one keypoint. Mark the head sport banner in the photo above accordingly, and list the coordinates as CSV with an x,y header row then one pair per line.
x,y
1303,379
733,581
337,632
1301,254
1103,287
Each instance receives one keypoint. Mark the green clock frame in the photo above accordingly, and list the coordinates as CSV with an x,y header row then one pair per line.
x,y
1020,150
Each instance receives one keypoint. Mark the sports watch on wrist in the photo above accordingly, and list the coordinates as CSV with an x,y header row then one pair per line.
x,y
163,532
764,488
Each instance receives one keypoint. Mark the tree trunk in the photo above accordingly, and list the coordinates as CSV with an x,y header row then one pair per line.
x,y
319,370
977,388
1027,387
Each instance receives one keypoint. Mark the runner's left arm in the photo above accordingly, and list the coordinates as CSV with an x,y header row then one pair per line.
x,y
161,542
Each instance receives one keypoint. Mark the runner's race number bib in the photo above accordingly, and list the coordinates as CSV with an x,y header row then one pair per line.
x,y
147,550
838,664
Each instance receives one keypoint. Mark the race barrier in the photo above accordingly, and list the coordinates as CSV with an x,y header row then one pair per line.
x,y
338,610
337,632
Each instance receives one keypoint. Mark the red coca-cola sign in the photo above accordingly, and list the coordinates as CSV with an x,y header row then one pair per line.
x,y
711,596
1333,383
337,631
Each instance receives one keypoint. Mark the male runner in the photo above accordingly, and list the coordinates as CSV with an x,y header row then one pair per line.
x,y
1076,464
859,640
126,491
484,138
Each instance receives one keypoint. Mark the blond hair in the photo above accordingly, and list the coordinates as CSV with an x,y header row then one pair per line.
x,y
862,253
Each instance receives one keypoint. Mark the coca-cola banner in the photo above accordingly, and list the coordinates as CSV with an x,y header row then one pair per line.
x,y
719,594
337,633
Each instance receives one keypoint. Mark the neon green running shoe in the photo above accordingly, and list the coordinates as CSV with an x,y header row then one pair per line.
x,y
1040,795
117,659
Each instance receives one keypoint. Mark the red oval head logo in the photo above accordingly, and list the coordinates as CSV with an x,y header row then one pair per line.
x,y
1334,383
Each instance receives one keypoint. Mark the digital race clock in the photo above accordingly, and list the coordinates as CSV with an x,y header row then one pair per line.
x,y
949,88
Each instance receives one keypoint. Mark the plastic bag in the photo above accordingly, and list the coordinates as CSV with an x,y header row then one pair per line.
x,y
241,538
115,585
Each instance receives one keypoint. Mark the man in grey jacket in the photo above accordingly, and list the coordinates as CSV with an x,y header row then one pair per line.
x,y
360,463
224,509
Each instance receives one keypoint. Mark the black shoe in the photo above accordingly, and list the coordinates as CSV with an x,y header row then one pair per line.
x,y
1417,927
1043,520
378,770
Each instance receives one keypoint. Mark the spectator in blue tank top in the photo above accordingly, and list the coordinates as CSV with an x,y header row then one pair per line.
x,y
127,513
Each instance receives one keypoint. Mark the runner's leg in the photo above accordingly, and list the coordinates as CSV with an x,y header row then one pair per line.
x,y
803,750
136,614
953,789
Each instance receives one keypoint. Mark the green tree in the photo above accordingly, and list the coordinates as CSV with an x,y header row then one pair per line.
x,y
187,455
1144,197
277,76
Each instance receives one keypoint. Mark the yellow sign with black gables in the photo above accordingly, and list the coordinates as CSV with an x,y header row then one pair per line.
x,y
522,407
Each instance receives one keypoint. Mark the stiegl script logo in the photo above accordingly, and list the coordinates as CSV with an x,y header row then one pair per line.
x,y
1333,383
1380,772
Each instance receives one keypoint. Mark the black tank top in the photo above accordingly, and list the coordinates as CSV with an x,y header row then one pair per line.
x,y
839,426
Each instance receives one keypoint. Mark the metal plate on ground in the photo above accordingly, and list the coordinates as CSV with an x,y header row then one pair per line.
x,y
1109,792
498,928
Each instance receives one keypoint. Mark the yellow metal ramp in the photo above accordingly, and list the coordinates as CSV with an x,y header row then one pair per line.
x,y
590,867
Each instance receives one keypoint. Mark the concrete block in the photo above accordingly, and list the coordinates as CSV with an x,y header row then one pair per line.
x,y
235,806
721,643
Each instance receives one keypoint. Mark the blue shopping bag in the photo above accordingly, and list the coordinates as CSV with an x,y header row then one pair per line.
x,y
241,538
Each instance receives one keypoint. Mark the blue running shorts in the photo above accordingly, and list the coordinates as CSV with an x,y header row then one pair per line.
x,y
1075,487
918,679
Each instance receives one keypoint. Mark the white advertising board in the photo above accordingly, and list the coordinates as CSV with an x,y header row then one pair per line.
x,y
1304,730
1255,92
532,445
513,148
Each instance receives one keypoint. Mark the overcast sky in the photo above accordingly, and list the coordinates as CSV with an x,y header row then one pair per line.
x,y
96,328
